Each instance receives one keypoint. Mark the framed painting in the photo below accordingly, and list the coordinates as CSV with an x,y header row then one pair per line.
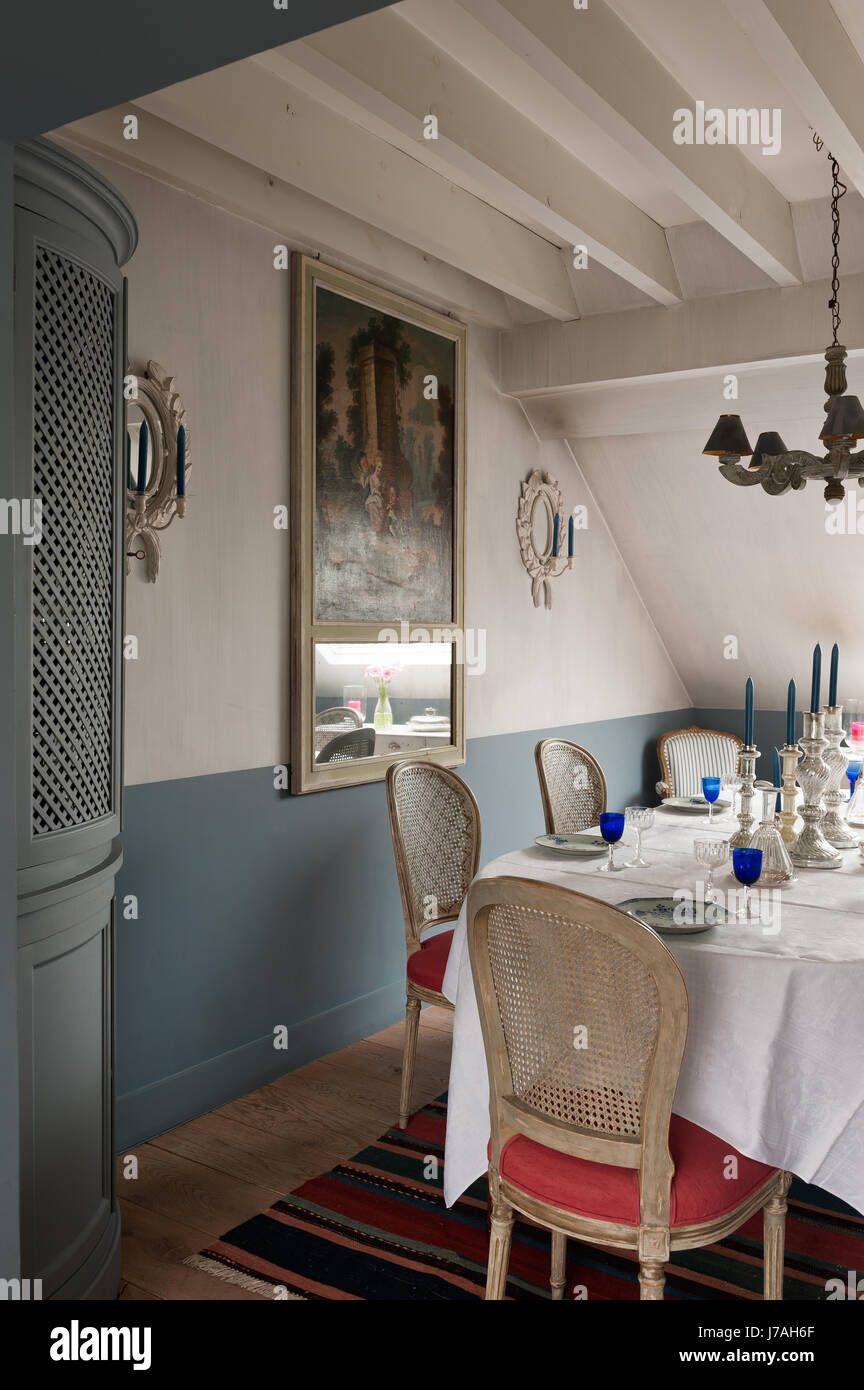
x,y
378,505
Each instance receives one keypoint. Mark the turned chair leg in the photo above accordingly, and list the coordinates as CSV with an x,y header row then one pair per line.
x,y
501,1231
559,1264
409,1052
652,1279
773,1241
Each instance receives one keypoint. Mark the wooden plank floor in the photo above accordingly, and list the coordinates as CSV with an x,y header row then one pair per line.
x,y
198,1181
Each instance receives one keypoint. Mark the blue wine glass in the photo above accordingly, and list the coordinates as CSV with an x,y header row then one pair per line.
x,y
611,828
853,772
746,866
711,791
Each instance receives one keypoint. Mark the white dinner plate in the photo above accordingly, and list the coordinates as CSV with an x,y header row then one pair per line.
x,y
695,804
583,844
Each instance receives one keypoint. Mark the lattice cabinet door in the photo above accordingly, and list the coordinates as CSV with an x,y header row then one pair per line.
x,y
73,233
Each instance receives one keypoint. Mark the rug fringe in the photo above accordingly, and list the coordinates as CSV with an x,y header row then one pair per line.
x,y
235,1276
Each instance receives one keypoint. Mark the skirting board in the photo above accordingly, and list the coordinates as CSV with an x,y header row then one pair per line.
x,y
174,1100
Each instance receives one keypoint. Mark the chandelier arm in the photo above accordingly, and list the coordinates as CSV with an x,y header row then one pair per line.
x,y
742,477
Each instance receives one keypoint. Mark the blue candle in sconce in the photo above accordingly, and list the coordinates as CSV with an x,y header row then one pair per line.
x,y
816,682
181,461
748,713
130,481
775,772
832,679
555,529
143,438
790,714
570,529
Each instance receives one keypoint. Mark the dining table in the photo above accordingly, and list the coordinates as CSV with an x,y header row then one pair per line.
x,y
774,1062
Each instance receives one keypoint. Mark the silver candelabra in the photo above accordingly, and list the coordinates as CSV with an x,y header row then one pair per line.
x,y
747,773
834,827
811,850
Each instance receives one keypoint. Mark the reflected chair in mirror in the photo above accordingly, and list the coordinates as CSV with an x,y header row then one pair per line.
x,y
435,823
688,755
339,719
572,786
583,1139
344,748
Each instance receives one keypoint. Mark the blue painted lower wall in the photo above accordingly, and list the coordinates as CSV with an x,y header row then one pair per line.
x,y
257,909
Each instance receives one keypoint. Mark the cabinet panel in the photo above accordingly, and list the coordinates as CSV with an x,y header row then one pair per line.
x,y
65,989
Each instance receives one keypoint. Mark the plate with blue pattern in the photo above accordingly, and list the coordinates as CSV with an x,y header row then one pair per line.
x,y
694,804
661,913
581,844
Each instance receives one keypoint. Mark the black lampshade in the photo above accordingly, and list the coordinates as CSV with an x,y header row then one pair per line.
x,y
770,443
845,419
728,437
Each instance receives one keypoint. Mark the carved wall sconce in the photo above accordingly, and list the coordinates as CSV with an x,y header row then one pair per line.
x,y
539,526
157,464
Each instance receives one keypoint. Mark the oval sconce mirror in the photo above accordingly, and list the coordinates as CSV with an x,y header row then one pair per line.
x,y
540,528
157,463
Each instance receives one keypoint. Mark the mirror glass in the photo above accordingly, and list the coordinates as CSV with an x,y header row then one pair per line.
x,y
542,522
374,699
140,450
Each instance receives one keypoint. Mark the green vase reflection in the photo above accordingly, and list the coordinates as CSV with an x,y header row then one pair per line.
x,y
383,716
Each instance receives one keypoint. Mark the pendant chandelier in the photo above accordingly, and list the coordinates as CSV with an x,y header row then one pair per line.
x,y
773,465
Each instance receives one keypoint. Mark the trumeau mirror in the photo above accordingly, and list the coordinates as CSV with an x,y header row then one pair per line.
x,y
157,463
378,498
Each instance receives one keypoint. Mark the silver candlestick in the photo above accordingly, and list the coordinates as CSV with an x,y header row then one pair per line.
x,y
811,850
747,772
789,755
834,827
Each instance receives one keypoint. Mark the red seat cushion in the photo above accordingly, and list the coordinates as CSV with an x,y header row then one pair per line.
x,y
426,967
700,1192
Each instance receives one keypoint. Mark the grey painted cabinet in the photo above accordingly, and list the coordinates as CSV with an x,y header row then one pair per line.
x,y
73,233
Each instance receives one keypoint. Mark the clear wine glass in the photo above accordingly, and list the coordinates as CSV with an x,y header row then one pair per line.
x,y
711,855
710,791
639,819
746,866
611,828
732,785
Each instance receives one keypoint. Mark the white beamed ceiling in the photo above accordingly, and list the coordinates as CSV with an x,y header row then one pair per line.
x,y
555,129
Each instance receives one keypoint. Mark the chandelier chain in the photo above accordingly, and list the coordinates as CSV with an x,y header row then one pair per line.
x,y
837,191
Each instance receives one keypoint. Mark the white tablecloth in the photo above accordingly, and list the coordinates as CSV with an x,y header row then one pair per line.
x,y
775,1052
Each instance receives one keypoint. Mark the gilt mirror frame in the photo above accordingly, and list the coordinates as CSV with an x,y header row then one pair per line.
x,y
310,625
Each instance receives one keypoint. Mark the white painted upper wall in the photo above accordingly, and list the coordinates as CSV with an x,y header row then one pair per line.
x,y
714,561
209,691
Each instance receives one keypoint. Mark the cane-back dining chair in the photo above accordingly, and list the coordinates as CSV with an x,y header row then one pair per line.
x,y
344,748
572,786
435,823
584,1015
688,755
338,719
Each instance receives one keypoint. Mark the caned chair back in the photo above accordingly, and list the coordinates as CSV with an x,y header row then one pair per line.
x,y
344,748
584,1015
435,823
572,786
330,722
688,755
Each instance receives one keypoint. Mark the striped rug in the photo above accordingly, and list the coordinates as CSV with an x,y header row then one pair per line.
x,y
376,1228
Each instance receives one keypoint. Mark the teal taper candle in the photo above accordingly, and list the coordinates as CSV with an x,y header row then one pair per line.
x,y
832,679
816,682
790,714
555,527
748,713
